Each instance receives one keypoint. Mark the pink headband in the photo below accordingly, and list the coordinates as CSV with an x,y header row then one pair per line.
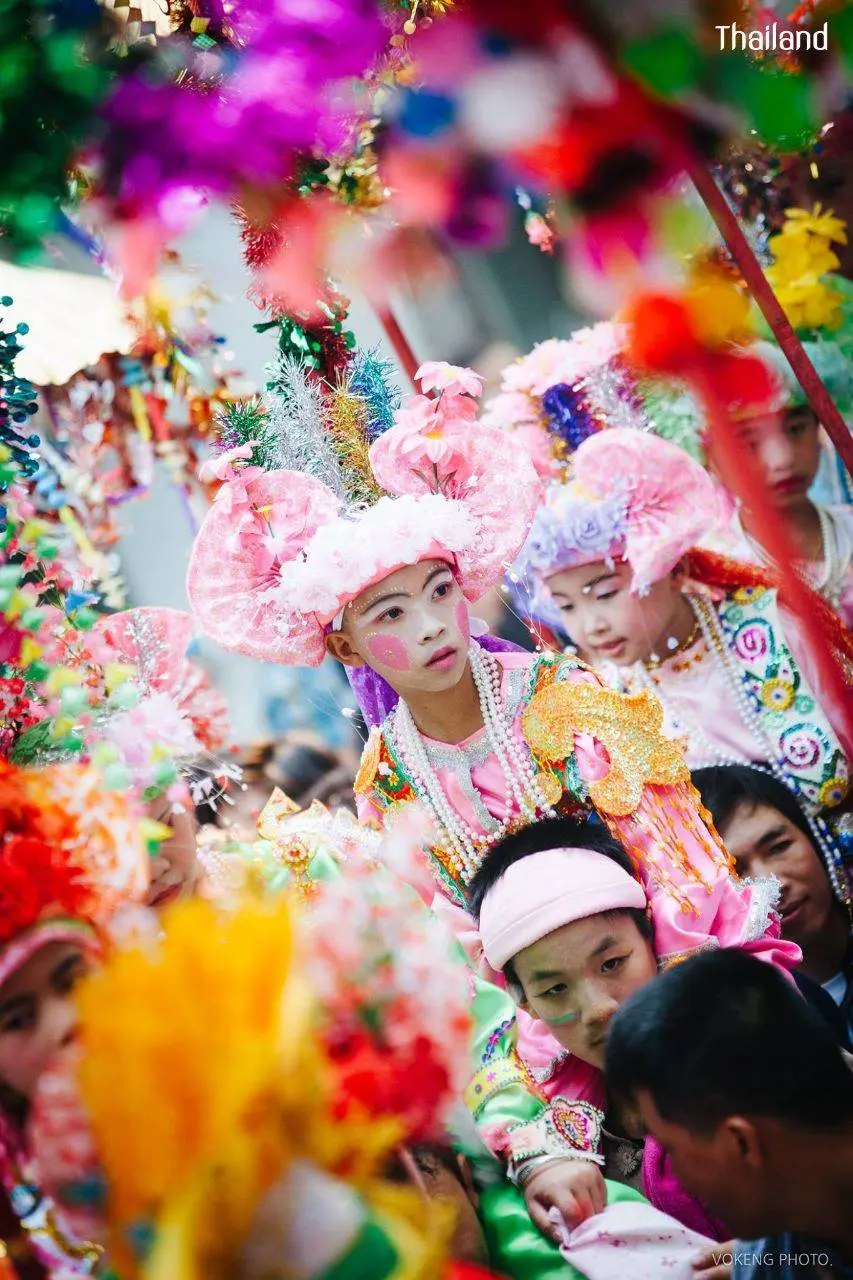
x,y
541,893
52,929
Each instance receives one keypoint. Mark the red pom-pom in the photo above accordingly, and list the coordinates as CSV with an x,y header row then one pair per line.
x,y
661,335
744,382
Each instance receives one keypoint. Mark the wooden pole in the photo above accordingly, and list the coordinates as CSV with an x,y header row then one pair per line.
x,y
399,342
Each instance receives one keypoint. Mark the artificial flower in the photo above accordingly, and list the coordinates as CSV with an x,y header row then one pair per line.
x,y
818,223
67,847
221,467
798,255
451,379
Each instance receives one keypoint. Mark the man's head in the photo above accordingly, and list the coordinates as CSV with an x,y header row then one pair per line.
x,y
561,913
412,628
733,1073
767,833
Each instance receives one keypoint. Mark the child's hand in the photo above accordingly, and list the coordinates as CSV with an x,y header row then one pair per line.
x,y
713,1263
575,1187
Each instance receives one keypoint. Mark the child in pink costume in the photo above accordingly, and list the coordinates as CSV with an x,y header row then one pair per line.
x,y
488,741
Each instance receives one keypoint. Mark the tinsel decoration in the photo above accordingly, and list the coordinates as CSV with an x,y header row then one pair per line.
x,y
297,421
325,347
674,414
569,416
17,405
372,379
348,433
606,396
240,422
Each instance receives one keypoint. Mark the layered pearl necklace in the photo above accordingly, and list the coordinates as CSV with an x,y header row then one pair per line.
x,y
464,845
829,581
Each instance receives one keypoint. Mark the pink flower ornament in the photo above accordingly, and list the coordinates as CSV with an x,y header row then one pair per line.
x,y
221,467
428,448
450,379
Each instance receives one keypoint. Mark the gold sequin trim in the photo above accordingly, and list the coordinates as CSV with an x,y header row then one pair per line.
x,y
627,725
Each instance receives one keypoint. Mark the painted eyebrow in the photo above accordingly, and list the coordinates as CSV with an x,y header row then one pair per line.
x,y
587,586
604,945
439,568
396,595
392,595
70,962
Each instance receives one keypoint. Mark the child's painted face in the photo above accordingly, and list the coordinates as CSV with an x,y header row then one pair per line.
x,y
37,1016
763,842
175,867
412,628
784,448
607,622
576,978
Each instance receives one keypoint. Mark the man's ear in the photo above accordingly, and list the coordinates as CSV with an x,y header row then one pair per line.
x,y
339,645
743,1138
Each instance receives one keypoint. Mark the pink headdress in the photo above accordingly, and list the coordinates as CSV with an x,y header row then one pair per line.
x,y
282,552
632,496
155,641
173,724
547,890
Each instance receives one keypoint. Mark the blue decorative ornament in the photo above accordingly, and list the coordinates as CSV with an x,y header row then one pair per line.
x,y
426,115
568,413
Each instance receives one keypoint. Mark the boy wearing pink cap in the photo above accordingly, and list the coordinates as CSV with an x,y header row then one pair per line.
x,y
565,920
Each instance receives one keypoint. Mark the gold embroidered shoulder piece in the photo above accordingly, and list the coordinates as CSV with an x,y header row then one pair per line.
x,y
369,765
627,725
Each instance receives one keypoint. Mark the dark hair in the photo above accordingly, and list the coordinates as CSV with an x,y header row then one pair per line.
x,y
585,832
724,787
723,1034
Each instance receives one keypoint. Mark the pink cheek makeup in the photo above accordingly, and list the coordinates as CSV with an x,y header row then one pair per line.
x,y
391,651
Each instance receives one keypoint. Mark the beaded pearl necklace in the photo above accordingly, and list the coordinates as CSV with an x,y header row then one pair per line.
x,y
465,846
829,582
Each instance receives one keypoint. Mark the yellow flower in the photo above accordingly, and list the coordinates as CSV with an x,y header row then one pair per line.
x,y
719,309
809,303
801,255
833,792
818,223
746,595
777,695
